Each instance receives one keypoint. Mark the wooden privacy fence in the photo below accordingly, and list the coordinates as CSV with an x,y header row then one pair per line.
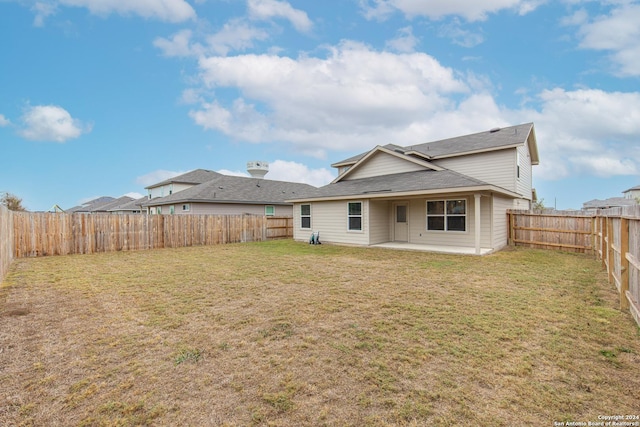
x,y
617,244
6,240
568,231
613,235
41,234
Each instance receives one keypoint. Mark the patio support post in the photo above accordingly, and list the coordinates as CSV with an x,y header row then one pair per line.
x,y
476,215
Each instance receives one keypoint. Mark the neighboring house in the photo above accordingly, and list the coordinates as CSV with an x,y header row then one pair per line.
x,y
612,202
632,193
134,206
224,194
451,194
180,183
91,205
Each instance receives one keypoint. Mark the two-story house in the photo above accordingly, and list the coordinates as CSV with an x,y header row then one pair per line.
x,y
449,195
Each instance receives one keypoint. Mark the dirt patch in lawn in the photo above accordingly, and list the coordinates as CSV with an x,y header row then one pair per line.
x,y
283,333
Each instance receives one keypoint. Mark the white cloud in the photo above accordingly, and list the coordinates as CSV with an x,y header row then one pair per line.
x,y
354,96
4,121
405,42
453,30
179,44
267,9
156,177
134,195
282,170
42,11
163,10
470,10
235,35
588,132
618,32
51,123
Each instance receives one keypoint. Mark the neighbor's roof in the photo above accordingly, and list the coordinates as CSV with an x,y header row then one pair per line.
x,y
636,188
112,205
197,176
132,205
417,182
494,139
91,204
236,189
612,202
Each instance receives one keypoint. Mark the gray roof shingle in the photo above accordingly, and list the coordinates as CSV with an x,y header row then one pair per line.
x,y
481,141
236,189
426,180
197,176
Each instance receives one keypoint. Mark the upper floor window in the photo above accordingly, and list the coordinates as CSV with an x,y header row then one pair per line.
x,y
447,215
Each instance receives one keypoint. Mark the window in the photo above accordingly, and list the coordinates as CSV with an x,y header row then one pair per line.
x,y
305,216
159,210
186,207
172,209
518,165
269,210
355,216
447,215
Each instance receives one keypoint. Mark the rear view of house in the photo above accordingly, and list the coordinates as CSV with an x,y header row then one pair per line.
x,y
451,194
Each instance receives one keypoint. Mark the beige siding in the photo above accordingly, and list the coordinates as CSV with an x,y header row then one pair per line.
x,y
500,206
383,164
330,219
224,209
380,221
168,189
419,234
497,167
523,183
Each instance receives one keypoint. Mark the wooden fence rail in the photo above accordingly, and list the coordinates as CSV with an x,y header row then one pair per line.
x,y
613,235
41,234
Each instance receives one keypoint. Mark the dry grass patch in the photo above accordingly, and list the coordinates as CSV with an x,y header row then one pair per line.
x,y
283,333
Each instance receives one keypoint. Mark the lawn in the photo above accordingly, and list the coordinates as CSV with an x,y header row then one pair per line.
x,y
283,333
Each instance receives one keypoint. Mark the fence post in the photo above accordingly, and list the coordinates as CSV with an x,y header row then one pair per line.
x,y
610,242
624,263
603,240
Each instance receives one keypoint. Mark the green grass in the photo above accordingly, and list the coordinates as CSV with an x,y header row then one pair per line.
x,y
283,333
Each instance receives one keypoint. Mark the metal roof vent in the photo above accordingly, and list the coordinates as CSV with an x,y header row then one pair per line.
x,y
257,169
494,130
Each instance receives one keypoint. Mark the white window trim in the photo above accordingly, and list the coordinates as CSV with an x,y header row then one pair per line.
x,y
355,216
466,215
305,216
186,207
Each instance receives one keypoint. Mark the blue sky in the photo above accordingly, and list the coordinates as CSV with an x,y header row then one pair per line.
x,y
105,97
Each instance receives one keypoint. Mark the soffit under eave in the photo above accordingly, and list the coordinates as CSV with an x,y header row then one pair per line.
x,y
486,190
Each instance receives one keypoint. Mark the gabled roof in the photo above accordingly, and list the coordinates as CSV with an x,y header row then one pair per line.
x,y
132,205
112,205
636,188
611,202
390,150
491,140
236,189
197,176
406,183
91,204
